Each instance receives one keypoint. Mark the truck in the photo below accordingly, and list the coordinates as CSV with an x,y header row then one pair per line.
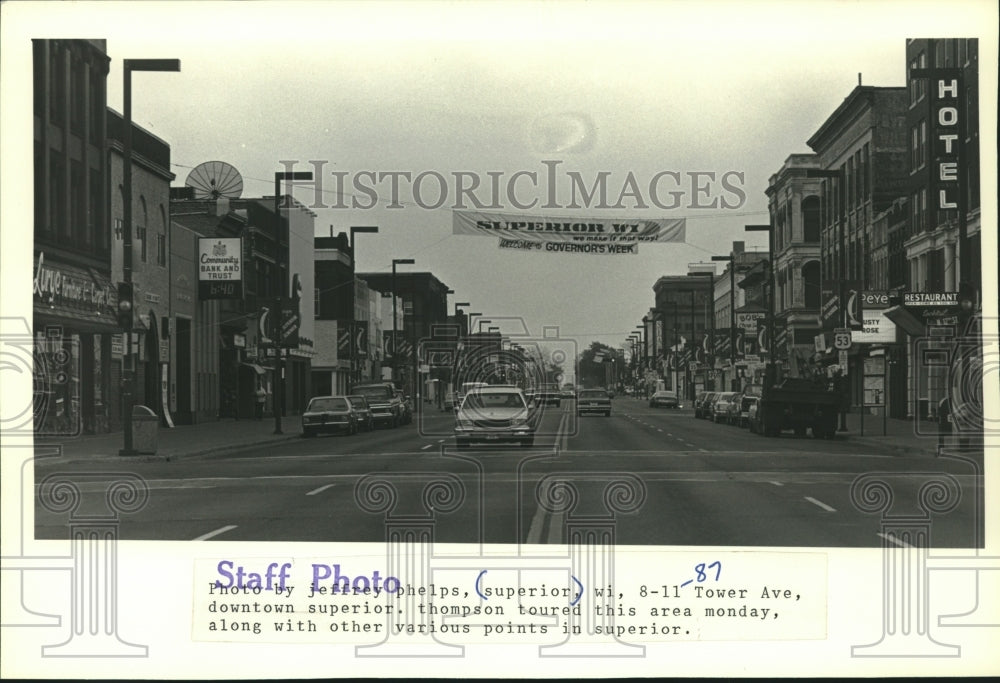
x,y
799,405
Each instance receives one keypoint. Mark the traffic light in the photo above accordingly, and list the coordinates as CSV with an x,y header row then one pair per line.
x,y
125,305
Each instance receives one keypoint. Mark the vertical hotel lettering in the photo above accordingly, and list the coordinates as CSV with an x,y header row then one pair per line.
x,y
947,119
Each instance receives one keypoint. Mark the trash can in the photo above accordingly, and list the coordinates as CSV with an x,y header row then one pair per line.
x,y
145,427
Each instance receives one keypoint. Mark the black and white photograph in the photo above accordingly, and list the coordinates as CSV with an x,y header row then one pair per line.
x,y
430,332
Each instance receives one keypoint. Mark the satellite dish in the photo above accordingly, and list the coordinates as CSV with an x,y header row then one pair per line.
x,y
215,179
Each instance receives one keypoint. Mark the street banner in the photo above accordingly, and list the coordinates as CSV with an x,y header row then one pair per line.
x,y
568,235
402,345
220,268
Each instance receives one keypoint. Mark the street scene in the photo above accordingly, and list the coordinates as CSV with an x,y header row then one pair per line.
x,y
599,339
270,365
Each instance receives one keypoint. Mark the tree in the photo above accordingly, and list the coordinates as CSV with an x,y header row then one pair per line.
x,y
593,365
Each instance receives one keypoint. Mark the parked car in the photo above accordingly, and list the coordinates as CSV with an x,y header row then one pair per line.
x,y
702,404
720,407
363,414
664,398
382,400
328,414
494,415
593,401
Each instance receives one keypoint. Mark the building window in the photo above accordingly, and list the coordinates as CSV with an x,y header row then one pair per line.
x,y
57,83
57,196
161,250
77,206
316,302
140,230
119,228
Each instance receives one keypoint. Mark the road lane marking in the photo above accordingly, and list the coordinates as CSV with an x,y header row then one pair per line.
x,y
688,443
210,534
658,429
892,539
424,448
703,450
820,504
441,440
320,489
776,483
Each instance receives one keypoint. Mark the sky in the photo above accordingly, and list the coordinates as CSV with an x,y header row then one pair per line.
x,y
591,88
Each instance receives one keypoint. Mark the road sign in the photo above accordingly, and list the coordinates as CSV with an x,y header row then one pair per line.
x,y
842,338
842,358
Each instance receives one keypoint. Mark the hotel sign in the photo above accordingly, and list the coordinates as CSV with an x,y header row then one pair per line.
x,y
220,268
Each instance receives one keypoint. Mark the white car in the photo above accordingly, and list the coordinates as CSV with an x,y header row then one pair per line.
x,y
493,415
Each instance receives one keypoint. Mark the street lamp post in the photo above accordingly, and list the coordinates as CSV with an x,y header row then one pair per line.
x,y
479,324
369,229
283,258
395,342
128,362
734,382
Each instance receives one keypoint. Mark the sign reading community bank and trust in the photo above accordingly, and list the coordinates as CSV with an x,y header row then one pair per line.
x,y
220,268
562,235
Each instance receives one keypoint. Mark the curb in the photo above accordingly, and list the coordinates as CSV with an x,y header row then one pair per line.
x,y
902,449
169,457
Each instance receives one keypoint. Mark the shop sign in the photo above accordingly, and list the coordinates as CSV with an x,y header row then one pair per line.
x,y
164,351
239,340
220,268
748,321
61,285
930,299
877,328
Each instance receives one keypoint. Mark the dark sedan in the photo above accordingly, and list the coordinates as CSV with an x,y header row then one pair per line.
x,y
593,401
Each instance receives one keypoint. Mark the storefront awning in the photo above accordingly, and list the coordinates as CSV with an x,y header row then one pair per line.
x,y
910,323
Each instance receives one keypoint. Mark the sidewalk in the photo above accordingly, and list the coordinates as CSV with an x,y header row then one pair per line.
x,y
902,436
225,435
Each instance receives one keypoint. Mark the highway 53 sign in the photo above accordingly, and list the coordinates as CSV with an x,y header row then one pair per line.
x,y
842,338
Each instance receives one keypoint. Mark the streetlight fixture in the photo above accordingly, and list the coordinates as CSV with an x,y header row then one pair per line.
x,y
282,286
128,362
479,324
355,229
734,381
395,341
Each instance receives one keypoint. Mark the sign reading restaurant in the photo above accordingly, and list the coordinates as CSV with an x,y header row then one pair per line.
x,y
220,268
930,299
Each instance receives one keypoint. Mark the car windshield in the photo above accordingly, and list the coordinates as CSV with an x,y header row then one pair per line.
x,y
484,401
358,401
331,403
593,393
374,392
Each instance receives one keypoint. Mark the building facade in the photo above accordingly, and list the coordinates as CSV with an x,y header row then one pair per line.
x,y
151,178
75,301
794,208
425,305
684,313
862,150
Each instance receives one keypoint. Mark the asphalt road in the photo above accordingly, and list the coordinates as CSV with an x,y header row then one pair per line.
x,y
656,476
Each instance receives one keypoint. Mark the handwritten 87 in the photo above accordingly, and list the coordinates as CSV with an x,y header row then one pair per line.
x,y
674,591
